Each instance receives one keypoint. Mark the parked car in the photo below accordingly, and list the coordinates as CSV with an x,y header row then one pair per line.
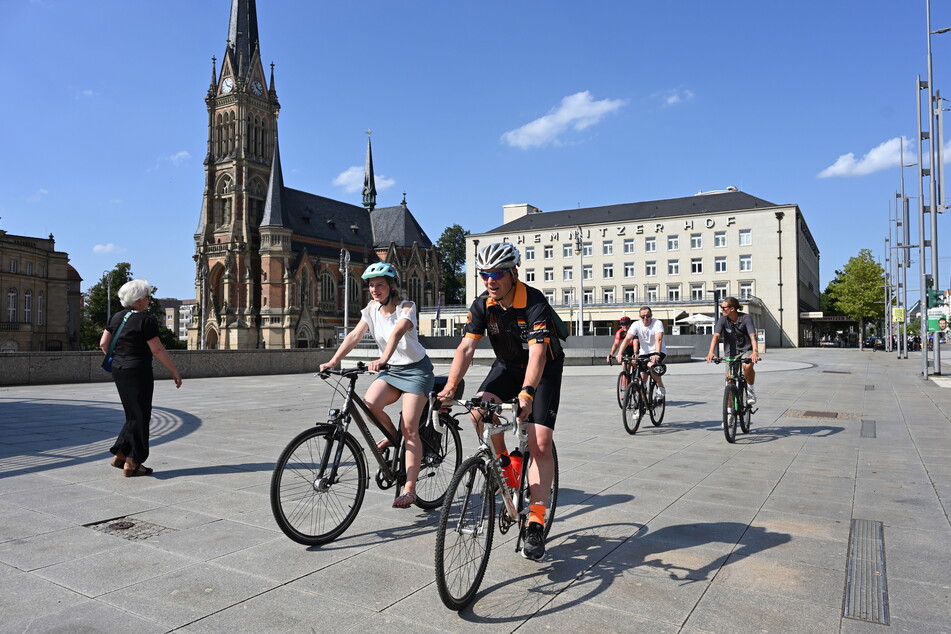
x,y
875,343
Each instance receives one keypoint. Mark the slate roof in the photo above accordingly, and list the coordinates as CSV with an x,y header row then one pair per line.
x,y
397,224
689,205
327,219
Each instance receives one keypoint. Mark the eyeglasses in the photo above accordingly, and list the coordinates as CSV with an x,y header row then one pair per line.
x,y
645,316
725,307
495,275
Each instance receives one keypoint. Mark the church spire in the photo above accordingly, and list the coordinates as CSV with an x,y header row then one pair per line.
x,y
243,32
274,214
369,183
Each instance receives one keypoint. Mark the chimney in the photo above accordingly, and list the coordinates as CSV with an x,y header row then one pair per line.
x,y
513,212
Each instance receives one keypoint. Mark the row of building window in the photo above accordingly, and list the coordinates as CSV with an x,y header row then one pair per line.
x,y
652,293
650,245
13,266
650,269
13,307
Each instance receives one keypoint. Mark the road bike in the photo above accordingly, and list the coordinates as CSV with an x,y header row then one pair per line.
x,y
320,478
468,516
641,394
736,406
623,379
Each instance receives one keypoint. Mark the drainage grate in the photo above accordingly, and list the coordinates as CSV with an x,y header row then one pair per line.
x,y
866,591
835,372
129,528
815,414
869,388
868,429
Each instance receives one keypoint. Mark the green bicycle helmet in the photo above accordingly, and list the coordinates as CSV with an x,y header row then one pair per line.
x,y
381,269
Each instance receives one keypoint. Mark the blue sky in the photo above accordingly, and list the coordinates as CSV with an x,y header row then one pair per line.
x,y
473,105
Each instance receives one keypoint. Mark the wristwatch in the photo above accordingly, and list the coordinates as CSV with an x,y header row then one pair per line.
x,y
528,389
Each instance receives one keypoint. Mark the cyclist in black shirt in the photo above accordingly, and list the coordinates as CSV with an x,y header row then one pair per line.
x,y
739,337
529,361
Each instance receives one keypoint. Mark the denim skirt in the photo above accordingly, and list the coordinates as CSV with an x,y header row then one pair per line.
x,y
415,378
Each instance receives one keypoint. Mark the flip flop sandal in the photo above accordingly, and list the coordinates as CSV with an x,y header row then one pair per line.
x,y
405,500
118,463
140,470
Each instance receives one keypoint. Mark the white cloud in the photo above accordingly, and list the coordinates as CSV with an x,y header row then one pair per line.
x,y
577,111
107,248
36,196
886,155
177,158
351,179
674,97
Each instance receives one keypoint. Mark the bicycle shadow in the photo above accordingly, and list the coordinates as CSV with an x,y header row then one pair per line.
x,y
770,434
588,563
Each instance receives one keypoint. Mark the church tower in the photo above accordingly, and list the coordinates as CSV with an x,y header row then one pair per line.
x,y
242,127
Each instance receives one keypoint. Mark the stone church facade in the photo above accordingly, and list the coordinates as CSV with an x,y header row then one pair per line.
x,y
271,260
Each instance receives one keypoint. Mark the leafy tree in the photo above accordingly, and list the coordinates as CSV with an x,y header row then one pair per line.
x,y
452,248
857,289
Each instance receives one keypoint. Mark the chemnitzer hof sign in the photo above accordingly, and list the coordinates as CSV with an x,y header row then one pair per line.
x,y
624,230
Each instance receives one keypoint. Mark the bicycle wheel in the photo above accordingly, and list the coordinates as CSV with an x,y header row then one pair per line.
x,y
312,510
743,410
654,407
442,454
633,409
729,413
552,502
622,380
464,535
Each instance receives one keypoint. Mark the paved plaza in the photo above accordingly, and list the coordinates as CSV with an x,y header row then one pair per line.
x,y
669,530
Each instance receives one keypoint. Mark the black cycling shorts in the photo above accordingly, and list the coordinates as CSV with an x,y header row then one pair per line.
x,y
507,381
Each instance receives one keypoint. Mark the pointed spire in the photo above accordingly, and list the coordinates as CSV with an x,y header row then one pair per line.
x,y
214,76
243,31
272,91
274,214
369,182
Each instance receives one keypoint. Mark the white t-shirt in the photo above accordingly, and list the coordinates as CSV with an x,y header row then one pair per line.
x,y
648,336
408,350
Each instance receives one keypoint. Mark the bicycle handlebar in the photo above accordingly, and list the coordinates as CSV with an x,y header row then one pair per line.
x,y
360,369
719,360
660,368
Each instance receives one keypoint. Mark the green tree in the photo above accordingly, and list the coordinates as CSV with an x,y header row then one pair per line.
x,y
452,249
857,289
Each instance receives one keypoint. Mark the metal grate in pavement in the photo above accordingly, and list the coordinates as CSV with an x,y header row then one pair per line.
x,y
814,414
835,372
866,590
868,429
129,528
869,388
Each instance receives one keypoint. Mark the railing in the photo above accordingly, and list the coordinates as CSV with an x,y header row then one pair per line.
x,y
9,326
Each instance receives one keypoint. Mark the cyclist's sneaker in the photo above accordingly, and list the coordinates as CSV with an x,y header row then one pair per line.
x,y
660,394
534,545
750,395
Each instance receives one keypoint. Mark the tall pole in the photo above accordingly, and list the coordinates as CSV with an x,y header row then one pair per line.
x,y
345,267
578,246
934,107
905,253
922,294
888,289
108,275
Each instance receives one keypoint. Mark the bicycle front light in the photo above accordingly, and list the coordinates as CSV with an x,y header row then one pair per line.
x,y
333,412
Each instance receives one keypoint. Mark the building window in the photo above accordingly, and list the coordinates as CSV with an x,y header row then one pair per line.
x,y
650,244
607,247
628,269
630,294
696,241
608,271
721,290
719,264
651,292
529,253
28,307
40,310
587,272
549,252
607,295
328,287
587,296
29,268
746,290
673,243
568,274
746,237
13,266
746,262
587,250
567,250
673,267
549,274
568,296
529,275
650,269
12,304
719,239
696,265
549,296
629,245
696,292
673,292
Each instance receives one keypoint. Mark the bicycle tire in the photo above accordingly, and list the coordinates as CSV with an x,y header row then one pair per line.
x,y
729,413
623,380
442,455
552,502
633,409
465,532
655,408
744,411
309,512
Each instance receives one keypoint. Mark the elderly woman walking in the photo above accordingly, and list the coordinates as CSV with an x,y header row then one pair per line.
x,y
138,341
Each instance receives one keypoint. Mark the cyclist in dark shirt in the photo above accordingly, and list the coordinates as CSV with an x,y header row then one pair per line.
x,y
739,336
529,362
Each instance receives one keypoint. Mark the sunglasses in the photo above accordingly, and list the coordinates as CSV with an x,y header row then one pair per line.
x,y
645,316
494,275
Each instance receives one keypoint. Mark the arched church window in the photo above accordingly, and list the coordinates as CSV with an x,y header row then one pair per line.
x,y
304,288
328,287
415,288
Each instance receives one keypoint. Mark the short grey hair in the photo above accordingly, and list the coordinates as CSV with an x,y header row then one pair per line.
x,y
133,291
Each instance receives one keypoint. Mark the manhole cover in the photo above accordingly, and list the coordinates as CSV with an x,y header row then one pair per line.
x,y
129,528
811,413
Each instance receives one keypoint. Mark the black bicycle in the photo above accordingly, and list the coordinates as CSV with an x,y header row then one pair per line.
x,y
736,406
467,520
641,394
623,379
320,478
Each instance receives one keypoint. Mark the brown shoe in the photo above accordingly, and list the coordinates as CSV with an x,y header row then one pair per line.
x,y
405,500
140,470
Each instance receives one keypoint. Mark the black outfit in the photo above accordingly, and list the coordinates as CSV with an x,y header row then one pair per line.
x,y
527,322
132,373
737,337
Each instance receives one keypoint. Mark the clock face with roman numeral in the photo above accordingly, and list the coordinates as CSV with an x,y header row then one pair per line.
x,y
257,88
227,85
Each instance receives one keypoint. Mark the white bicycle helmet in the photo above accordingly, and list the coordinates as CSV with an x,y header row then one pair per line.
x,y
498,255
381,269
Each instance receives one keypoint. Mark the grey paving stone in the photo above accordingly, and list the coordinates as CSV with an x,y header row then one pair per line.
x,y
88,615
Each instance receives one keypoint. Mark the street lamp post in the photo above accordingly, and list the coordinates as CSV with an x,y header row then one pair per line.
x,y
108,275
345,268
579,245
934,109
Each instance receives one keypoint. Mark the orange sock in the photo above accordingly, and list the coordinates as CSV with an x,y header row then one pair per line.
x,y
537,514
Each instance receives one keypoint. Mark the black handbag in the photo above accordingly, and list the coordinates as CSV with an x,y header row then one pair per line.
x,y
107,362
